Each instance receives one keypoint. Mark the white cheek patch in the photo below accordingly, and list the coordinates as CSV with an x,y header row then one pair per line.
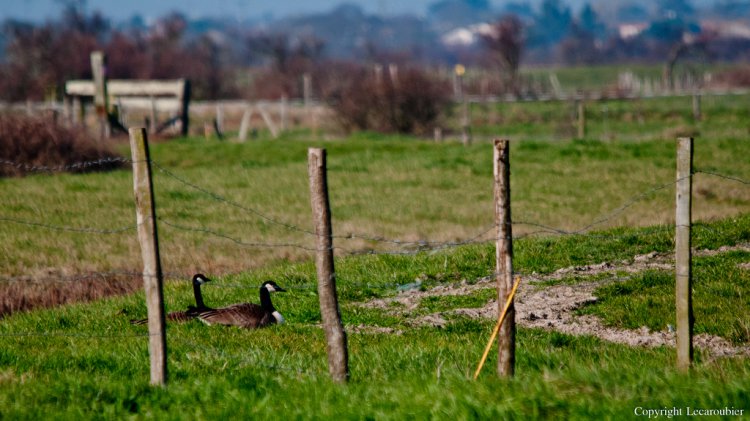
x,y
270,288
279,318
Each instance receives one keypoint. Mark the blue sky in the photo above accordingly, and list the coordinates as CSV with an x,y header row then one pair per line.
x,y
122,9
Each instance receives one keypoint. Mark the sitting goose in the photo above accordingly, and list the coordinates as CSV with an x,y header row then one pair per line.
x,y
247,315
192,311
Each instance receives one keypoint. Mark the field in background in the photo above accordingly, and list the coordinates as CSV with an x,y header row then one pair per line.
x,y
222,205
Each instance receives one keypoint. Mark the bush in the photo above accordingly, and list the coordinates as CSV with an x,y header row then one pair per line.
x,y
734,78
413,102
27,142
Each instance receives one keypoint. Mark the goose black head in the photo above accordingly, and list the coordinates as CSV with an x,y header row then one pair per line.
x,y
200,279
271,286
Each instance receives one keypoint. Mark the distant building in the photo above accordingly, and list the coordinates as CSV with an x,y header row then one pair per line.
x,y
467,36
727,29
631,30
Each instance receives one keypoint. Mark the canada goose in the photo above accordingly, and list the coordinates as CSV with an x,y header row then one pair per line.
x,y
247,315
192,311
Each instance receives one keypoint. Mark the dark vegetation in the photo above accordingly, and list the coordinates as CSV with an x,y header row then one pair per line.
x,y
407,102
30,142
25,294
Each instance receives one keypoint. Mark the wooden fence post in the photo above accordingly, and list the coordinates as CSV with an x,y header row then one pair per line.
x,y
268,120
307,97
465,129
338,356
245,122
378,75
153,116
393,73
683,272
219,118
148,238
581,113
101,99
506,340
697,107
185,112
283,112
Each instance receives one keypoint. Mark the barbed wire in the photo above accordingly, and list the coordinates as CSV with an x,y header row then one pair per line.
x,y
77,166
552,230
726,177
204,230
420,246
422,243
230,202
628,203
85,230
292,227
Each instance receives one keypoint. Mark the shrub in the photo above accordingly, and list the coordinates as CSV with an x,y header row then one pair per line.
x,y
413,102
27,142
734,78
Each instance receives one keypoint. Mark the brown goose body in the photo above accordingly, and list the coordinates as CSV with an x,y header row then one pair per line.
x,y
247,315
192,311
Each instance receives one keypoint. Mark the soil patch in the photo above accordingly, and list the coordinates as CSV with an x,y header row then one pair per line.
x,y
554,307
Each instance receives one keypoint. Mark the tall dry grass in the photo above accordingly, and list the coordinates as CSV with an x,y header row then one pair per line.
x,y
27,142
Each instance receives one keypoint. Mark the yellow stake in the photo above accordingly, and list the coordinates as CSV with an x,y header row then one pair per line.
x,y
497,326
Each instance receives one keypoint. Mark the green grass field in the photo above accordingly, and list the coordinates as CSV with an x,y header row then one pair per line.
x,y
239,212
87,361
380,186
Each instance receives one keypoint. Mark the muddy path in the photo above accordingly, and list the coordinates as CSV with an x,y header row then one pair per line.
x,y
554,307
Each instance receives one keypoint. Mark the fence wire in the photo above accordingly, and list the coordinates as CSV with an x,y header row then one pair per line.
x,y
74,167
84,230
401,246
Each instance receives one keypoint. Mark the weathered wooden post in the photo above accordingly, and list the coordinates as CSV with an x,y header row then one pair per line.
x,y
338,356
185,112
581,114
484,86
245,122
101,98
79,112
683,271
149,240
697,107
219,117
68,109
393,73
153,116
378,75
268,120
307,97
465,130
284,112
506,340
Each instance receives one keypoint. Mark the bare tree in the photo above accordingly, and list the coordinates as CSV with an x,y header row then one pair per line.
x,y
288,58
505,43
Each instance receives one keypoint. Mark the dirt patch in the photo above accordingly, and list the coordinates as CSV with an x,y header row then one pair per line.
x,y
554,307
